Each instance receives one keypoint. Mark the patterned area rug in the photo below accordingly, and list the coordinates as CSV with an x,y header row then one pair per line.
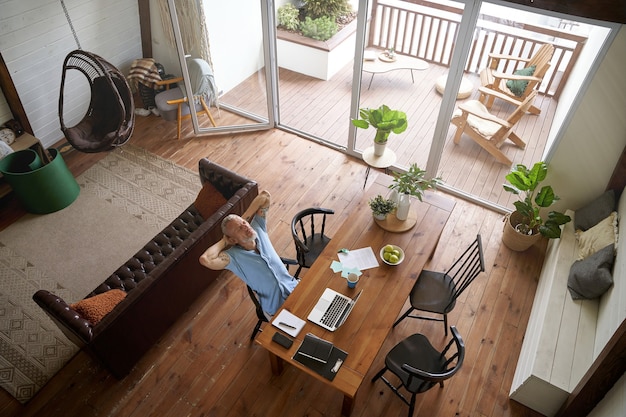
x,y
125,199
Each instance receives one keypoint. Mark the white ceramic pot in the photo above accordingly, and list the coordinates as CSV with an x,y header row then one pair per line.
x,y
404,205
379,148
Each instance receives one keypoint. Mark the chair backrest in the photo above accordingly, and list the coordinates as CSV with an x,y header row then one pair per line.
x,y
465,269
306,219
541,59
449,364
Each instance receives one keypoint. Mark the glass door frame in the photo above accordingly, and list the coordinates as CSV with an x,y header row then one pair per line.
x,y
271,76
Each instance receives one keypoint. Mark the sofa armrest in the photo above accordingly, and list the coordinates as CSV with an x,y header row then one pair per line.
x,y
78,329
226,181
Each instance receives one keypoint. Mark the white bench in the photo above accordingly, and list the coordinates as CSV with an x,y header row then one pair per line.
x,y
564,336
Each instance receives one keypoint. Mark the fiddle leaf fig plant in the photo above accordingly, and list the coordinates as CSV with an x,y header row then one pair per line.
x,y
384,120
524,182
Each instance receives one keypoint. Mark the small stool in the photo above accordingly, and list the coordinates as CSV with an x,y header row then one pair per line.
x,y
387,159
465,90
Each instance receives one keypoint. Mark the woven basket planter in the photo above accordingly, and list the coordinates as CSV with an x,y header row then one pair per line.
x,y
515,240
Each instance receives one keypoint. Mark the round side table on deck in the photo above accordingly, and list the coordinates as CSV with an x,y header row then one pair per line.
x,y
387,159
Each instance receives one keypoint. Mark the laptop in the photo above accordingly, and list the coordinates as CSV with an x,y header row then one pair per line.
x,y
332,309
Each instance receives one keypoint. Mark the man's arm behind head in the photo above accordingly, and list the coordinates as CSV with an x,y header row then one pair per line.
x,y
259,206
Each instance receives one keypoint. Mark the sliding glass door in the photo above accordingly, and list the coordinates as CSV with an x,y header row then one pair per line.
x,y
238,44
424,58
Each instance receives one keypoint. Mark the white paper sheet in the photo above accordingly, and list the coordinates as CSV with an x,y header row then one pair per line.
x,y
359,258
288,323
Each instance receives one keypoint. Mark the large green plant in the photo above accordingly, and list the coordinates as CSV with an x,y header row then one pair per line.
x,y
321,29
383,119
525,182
288,17
326,8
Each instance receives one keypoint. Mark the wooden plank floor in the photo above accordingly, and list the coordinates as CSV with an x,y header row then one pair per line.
x,y
206,366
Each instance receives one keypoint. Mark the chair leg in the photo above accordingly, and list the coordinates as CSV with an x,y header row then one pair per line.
x,y
206,110
412,405
179,118
405,315
379,374
445,323
297,274
257,329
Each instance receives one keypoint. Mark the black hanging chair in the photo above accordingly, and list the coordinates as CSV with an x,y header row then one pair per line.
x,y
110,119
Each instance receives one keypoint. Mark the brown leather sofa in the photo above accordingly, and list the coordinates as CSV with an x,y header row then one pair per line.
x,y
161,280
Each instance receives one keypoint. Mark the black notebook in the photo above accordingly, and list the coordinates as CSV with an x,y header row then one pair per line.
x,y
315,348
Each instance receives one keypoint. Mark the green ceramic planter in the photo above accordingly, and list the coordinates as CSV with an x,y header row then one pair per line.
x,y
40,188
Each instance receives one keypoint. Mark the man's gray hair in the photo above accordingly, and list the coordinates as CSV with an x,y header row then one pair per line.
x,y
225,222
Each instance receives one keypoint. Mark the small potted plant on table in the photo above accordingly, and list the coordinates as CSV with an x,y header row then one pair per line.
x,y
381,207
411,183
525,226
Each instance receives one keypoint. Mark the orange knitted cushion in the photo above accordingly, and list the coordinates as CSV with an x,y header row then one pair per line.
x,y
96,307
209,200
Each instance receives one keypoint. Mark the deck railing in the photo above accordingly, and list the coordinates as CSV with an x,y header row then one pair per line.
x,y
428,31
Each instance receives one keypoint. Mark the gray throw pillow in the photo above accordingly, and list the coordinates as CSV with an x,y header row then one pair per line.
x,y
591,277
594,212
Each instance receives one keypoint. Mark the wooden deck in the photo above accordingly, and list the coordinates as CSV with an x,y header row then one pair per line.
x,y
321,108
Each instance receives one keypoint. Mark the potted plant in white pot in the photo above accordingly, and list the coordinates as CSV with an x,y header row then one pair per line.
x,y
412,183
381,207
385,121
525,226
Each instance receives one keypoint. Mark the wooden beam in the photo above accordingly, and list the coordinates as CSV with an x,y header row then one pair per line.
x,y
605,371
607,10
12,98
145,28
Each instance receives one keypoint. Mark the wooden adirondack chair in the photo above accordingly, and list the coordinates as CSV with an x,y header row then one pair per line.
x,y
492,80
487,130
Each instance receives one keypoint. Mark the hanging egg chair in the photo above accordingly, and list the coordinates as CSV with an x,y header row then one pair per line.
x,y
110,118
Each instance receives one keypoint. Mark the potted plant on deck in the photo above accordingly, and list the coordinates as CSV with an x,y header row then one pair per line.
x,y
381,206
525,226
385,121
412,183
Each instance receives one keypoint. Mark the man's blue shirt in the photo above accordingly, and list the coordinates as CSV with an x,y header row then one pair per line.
x,y
264,272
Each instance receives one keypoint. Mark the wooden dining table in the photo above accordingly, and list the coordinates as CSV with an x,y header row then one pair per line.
x,y
384,288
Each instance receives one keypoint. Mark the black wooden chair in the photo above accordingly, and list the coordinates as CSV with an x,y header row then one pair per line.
x,y
260,314
436,292
309,246
420,366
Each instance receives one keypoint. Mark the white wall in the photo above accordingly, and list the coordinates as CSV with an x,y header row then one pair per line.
x,y
35,38
235,39
587,153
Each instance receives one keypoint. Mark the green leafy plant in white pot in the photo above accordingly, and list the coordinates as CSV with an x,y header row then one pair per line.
x,y
412,183
526,225
381,207
385,121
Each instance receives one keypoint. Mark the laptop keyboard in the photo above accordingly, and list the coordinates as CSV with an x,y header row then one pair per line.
x,y
334,310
